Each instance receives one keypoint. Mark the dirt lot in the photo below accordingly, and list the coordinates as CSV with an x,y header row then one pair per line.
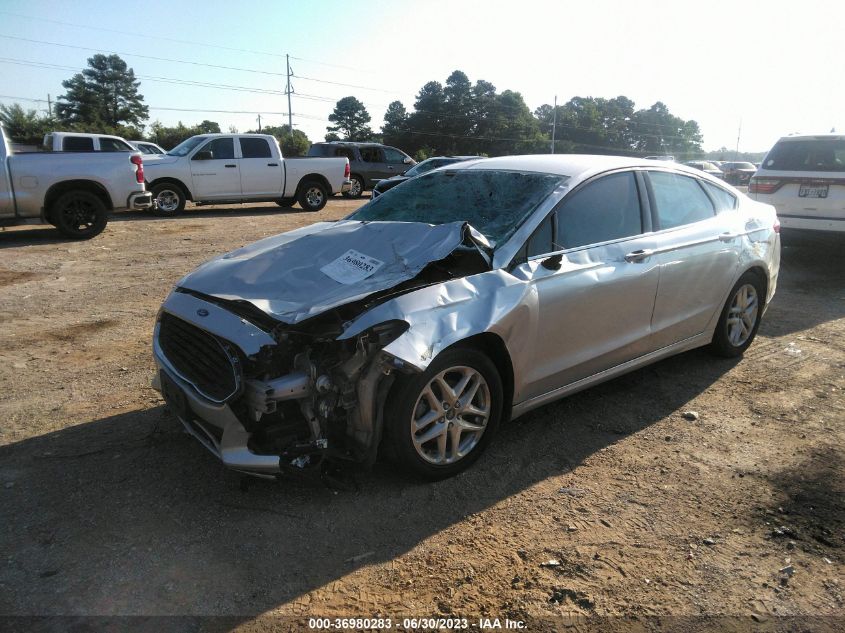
x,y
608,503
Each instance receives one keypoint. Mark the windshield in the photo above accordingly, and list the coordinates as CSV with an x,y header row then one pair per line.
x,y
427,165
185,147
741,166
494,202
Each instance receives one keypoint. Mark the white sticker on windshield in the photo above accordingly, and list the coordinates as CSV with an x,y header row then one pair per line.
x,y
352,267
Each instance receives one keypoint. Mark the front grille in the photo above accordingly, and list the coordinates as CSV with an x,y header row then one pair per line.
x,y
198,357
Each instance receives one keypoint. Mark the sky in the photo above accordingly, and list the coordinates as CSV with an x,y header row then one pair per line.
x,y
753,70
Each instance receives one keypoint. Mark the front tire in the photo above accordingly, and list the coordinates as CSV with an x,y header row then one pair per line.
x,y
438,423
740,317
79,215
170,200
312,196
356,190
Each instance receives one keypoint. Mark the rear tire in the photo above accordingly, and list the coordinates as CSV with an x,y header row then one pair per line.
x,y
740,317
170,199
434,405
312,196
357,188
79,215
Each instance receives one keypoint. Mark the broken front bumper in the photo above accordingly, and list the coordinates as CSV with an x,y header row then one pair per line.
x,y
214,424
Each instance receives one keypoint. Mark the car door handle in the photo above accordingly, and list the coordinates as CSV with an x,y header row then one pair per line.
x,y
272,164
232,166
638,256
727,237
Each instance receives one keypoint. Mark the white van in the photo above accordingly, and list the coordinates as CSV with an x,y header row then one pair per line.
x,y
803,177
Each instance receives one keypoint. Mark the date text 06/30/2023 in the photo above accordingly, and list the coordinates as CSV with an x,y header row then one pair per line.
x,y
415,624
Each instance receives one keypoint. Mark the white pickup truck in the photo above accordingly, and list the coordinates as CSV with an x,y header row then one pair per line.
x,y
220,168
73,191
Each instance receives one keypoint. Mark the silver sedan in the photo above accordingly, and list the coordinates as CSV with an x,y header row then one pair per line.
x,y
470,295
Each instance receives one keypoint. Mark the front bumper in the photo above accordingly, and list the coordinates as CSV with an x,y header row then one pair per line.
x,y
140,201
346,186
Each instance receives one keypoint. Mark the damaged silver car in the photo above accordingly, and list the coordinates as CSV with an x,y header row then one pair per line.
x,y
469,295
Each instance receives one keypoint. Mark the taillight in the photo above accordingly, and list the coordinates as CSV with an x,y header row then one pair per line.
x,y
764,185
348,171
139,167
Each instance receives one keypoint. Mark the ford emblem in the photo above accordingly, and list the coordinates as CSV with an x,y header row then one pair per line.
x,y
202,312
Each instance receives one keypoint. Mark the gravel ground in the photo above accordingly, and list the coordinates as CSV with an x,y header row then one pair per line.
x,y
608,503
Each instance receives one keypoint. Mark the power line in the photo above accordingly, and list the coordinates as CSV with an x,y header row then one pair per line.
x,y
179,41
337,83
160,59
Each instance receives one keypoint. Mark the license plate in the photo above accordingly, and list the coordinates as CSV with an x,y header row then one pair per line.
x,y
174,397
813,191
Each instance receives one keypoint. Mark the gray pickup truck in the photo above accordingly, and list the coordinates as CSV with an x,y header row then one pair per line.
x,y
73,191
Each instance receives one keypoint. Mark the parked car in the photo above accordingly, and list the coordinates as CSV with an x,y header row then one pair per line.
x,y
148,149
418,170
707,167
218,168
738,173
804,178
462,298
368,162
73,192
78,142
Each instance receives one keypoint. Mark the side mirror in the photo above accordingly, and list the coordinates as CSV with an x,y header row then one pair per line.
x,y
408,161
553,262
203,155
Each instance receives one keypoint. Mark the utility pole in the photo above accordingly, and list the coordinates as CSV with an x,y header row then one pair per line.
x,y
49,107
554,125
259,124
288,90
738,134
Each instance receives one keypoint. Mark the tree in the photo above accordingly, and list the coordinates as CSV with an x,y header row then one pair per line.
x,y
295,144
104,95
394,130
24,126
170,137
208,127
351,118
332,136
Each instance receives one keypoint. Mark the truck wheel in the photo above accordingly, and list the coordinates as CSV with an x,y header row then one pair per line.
x,y
312,196
79,215
286,203
169,198
356,189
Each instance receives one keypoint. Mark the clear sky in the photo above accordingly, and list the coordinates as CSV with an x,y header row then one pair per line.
x,y
777,67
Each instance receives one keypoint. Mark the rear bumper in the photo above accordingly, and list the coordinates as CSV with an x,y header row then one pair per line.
x,y
346,186
140,201
790,221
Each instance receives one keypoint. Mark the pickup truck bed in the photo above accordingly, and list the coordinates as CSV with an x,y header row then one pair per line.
x,y
72,191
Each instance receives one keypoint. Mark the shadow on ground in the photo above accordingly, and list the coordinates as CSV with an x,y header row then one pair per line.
x,y
127,515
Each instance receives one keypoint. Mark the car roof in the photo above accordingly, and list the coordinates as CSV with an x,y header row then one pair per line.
x,y
84,135
572,165
813,137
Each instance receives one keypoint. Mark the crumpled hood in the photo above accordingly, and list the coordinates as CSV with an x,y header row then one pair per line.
x,y
302,273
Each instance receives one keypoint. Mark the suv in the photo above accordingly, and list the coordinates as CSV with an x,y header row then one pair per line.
x,y
368,162
803,177
738,172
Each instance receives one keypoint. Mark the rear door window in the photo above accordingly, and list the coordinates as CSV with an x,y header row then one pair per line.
x,y
724,200
603,210
114,145
345,152
78,144
808,155
679,199
371,155
255,148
